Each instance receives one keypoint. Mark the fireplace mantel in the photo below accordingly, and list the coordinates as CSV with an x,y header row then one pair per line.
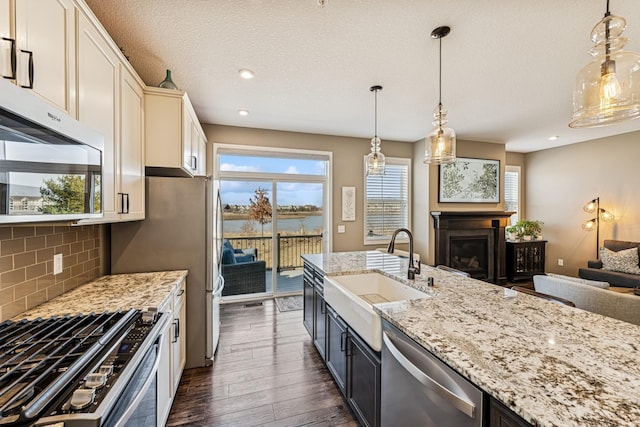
x,y
453,226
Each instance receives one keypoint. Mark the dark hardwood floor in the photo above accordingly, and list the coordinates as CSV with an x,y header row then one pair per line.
x,y
266,373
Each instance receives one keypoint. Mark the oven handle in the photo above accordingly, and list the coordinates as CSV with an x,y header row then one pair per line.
x,y
136,402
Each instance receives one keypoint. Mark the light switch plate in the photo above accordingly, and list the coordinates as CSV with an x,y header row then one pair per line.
x,y
341,229
57,264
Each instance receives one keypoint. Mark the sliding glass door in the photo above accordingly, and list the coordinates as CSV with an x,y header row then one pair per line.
x,y
275,211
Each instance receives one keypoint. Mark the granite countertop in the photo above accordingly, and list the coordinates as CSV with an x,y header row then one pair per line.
x,y
553,365
110,293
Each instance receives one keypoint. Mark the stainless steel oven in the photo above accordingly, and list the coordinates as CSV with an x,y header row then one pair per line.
x,y
77,371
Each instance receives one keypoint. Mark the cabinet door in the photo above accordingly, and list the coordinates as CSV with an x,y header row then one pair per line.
x,y
336,348
165,391
131,146
501,416
45,43
199,149
363,384
98,97
307,318
320,319
7,38
178,342
187,141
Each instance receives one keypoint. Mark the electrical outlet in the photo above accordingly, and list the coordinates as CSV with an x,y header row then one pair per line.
x,y
57,264
560,262
341,229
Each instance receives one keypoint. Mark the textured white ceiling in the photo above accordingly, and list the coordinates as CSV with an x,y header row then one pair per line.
x,y
508,66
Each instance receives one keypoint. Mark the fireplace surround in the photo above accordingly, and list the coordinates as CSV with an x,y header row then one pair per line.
x,y
473,242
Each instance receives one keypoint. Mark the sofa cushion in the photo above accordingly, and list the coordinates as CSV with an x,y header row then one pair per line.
x,y
625,307
615,278
596,283
228,257
624,261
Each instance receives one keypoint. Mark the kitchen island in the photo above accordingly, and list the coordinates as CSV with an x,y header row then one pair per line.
x,y
139,291
552,365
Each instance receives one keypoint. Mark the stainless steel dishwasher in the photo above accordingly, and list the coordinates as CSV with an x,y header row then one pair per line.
x,y
420,390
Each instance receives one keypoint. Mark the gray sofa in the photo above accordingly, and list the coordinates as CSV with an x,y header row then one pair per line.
x,y
594,269
625,307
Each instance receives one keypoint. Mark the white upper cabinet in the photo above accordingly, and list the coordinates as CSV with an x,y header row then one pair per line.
x,y
111,100
98,100
39,54
175,141
131,146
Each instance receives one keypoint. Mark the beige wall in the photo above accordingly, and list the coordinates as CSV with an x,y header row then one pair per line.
x,y
348,167
561,180
471,149
26,263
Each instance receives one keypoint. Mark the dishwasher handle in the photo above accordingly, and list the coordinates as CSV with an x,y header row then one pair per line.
x,y
458,402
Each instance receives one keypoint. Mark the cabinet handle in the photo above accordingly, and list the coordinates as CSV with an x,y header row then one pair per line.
x,y
176,330
323,307
127,194
194,162
121,203
347,345
30,53
181,292
343,341
13,58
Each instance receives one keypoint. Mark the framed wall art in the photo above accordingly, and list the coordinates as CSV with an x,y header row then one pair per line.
x,y
470,181
348,203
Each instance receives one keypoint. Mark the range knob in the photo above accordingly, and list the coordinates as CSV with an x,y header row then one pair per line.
x,y
82,398
106,369
95,380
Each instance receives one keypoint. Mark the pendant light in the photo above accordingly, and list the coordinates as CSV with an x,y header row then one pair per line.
x,y
607,89
440,146
375,159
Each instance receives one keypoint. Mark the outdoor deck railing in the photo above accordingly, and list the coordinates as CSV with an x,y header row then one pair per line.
x,y
290,248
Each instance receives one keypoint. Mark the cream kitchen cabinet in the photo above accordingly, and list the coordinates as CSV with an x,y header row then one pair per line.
x,y
172,351
38,48
111,100
175,141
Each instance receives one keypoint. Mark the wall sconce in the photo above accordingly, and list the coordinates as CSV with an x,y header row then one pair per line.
x,y
594,223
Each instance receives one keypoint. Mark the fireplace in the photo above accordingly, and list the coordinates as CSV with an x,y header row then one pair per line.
x,y
472,242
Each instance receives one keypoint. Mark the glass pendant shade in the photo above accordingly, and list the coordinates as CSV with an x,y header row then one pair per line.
x,y
375,163
375,159
440,145
607,90
591,206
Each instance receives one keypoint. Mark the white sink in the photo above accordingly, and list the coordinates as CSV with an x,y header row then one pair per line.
x,y
353,296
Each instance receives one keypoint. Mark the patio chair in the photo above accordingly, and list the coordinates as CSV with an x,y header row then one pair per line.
x,y
247,277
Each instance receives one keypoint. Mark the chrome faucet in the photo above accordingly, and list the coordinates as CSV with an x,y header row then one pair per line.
x,y
413,268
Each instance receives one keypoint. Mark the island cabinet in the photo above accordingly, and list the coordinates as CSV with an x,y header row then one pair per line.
x,y
308,291
354,366
337,334
501,416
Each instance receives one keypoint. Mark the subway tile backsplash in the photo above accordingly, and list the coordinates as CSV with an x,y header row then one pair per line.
x,y
26,263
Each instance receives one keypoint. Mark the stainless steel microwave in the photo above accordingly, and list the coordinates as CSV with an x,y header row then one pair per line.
x,y
50,164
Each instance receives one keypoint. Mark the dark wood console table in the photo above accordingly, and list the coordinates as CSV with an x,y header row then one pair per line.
x,y
525,259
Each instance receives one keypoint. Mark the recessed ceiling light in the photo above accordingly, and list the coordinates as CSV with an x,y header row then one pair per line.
x,y
246,74
243,112
553,138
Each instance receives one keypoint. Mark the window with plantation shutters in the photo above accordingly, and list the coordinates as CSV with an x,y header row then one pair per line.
x,y
512,192
387,202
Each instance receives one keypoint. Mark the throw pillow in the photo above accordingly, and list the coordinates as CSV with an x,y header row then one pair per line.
x,y
625,261
594,283
228,257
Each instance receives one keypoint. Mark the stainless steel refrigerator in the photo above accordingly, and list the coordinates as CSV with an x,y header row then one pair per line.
x,y
181,231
